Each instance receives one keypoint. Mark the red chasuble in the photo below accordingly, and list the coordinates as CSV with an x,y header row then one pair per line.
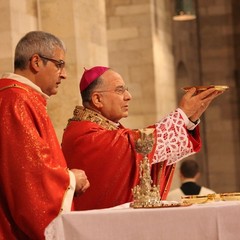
x,y
107,154
34,177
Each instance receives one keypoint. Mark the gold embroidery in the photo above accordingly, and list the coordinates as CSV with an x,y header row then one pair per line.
x,y
11,86
84,114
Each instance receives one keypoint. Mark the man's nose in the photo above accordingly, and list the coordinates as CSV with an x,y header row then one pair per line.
x,y
63,73
128,95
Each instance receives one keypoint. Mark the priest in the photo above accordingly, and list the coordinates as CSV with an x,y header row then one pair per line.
x,y
95,140
35,182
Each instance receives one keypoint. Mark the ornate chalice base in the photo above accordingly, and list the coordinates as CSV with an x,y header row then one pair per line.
x,y
144,194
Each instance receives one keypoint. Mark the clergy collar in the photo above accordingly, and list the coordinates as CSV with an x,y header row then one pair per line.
x,y
25,81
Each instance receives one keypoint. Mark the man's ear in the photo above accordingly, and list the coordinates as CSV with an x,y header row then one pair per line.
x,y
181,176
97,100
34,62
197,176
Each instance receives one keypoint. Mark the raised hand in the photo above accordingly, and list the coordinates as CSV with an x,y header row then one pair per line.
x,y
194,104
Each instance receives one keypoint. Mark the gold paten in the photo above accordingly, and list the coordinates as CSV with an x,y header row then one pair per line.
x,y
199,199
213,197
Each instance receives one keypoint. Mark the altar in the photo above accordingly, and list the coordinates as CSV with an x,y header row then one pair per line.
x,y
210,221
211,217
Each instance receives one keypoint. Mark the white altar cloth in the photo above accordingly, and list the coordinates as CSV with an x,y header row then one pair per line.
x,y
210,221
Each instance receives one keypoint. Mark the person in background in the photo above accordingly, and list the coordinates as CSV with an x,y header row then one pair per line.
x,y
189,174
36,184
96,141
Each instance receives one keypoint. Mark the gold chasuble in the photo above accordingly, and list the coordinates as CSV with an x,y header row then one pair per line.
x,y
106,152
34,176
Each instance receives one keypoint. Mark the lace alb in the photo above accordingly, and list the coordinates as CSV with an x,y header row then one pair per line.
x,y
172,143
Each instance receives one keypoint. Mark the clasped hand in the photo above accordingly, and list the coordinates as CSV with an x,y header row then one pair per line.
x,y
82,183
194,104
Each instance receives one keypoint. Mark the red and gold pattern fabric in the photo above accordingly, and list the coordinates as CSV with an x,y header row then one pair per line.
x,y
34,177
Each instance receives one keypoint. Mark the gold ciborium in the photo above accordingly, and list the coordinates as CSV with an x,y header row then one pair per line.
x,y
145,194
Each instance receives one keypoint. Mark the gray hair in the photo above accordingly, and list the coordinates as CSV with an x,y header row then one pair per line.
x,y
35,42
87,93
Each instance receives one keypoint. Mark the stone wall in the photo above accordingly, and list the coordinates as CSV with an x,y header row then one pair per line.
x,y
17,18
205,47
138,39
218,65
138,49
82,26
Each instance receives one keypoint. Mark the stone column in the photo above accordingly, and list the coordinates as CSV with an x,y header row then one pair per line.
x,y
138,44
17,18
81,24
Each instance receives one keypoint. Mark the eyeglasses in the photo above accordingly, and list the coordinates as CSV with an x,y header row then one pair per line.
x,y
60,64
119,90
